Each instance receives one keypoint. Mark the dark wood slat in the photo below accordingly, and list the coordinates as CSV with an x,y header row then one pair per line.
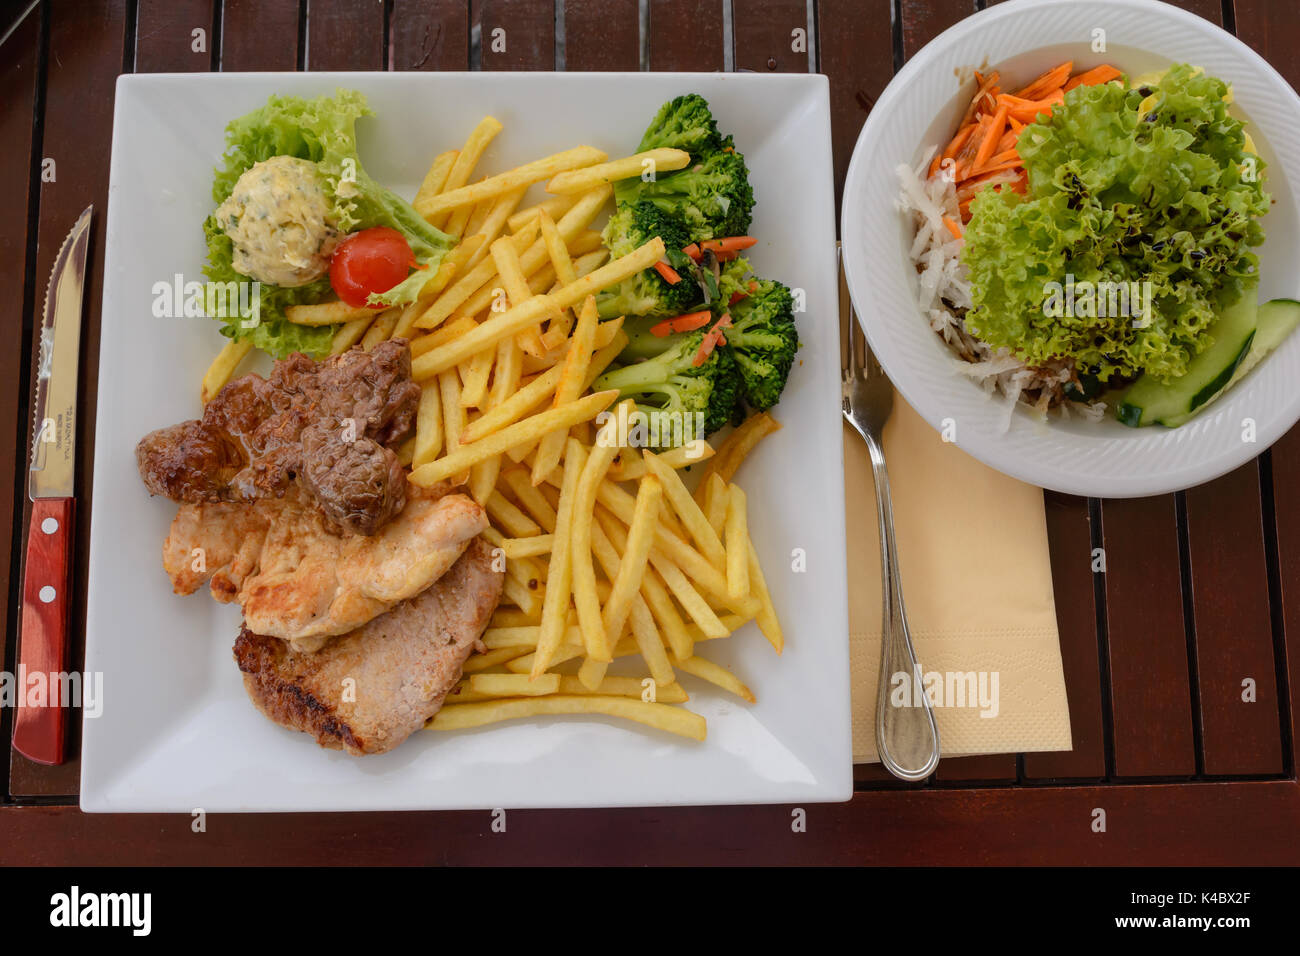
x,y
686,35
1150,689
164,36
988,767
1203,824
1271,28
429,35
855,51
259,35
1286,476
873,776
763,33
1211,10
602,35
529,27
923,20
345,35
1234,637
19,76
85,56
1070,542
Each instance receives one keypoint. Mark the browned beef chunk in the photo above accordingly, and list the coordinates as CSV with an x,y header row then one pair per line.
x,y
332,426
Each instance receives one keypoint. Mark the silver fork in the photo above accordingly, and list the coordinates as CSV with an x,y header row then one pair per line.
x,y
907,738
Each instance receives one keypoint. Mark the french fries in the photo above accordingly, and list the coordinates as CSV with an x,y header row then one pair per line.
x,y
706,539
524,175
495,221
534,310
462,457
350,333
572,383
598,642
222,368
381,328
461,169
327,313
737,555
736,448
533,260
436,177
674,720
559,576
428,425
652,161
553,206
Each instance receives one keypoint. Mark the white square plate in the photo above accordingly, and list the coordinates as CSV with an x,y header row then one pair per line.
x,y
177,731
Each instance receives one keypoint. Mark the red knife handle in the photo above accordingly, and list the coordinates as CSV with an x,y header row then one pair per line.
x,y
39,731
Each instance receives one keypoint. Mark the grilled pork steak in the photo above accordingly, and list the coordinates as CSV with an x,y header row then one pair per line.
x,y
369,690
330,427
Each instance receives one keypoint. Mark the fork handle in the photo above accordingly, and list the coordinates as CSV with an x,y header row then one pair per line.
x,y
907,737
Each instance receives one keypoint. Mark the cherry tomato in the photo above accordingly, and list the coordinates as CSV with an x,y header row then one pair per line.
x,y
372,260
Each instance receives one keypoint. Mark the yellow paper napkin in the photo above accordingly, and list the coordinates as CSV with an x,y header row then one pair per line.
x,y
972,550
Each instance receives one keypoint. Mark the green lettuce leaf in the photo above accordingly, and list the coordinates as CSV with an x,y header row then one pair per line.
x,y
323,131
1125,186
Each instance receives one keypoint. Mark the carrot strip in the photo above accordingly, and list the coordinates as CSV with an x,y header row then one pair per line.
x,y
1049,82
983,84
966,155
959,140
682,323
731,244
1003,160
1098,74
992,134
1027,110
670,275
952,227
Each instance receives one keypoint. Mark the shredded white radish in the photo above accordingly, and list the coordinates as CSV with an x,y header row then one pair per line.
x,y
944,295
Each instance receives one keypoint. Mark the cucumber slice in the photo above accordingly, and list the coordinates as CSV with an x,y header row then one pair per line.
x,y
1275,320
1149,400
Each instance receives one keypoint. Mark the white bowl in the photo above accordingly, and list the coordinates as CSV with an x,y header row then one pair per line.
x,y
921,107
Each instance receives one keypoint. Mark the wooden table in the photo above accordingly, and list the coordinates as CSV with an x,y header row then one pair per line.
x,y
1200,592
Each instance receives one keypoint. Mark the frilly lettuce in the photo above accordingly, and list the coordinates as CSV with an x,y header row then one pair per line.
x,y
1118,193
322,130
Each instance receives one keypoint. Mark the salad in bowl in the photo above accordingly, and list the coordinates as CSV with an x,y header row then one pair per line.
x,y
1085,242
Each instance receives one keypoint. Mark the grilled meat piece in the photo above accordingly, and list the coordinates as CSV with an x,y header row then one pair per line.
x,y
369,690
330,427
298,578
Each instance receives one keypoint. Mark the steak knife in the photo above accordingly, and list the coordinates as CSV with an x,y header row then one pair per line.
x,y
40,731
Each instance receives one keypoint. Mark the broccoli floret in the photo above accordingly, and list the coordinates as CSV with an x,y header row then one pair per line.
x,y
735,277
762,338
647,292
683,123
671,382
643,343
712,196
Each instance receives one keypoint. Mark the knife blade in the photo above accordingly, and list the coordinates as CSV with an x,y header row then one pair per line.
x,y
40,723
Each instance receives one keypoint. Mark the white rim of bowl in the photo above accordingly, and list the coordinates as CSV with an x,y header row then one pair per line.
x,y
993,452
